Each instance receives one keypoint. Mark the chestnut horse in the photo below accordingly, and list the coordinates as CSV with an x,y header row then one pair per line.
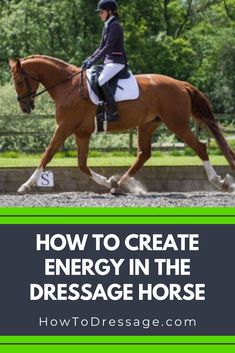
x,y
162,100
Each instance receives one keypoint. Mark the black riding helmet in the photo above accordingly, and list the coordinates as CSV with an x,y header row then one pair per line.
x,y
107,5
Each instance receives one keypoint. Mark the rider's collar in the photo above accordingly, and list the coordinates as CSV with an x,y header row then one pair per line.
x,y
107,22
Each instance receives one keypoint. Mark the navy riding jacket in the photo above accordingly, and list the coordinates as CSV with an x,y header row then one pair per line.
x,y
111,45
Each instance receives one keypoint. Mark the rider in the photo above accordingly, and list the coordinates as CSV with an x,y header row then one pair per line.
x,y
111,51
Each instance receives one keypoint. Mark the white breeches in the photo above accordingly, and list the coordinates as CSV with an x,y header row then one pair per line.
x,y
110,70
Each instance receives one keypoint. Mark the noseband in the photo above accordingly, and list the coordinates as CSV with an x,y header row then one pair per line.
x,y
28,97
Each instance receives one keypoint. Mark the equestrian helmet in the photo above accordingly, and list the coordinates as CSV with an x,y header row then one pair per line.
x,y
107,5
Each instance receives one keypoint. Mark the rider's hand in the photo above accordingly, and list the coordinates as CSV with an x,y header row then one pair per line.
x,y
87,64
84,63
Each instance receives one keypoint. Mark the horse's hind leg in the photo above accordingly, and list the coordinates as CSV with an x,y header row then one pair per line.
x,y
145,133
200,148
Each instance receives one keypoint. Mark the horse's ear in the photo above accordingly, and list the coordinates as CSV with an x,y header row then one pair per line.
x,y
11,63
18,64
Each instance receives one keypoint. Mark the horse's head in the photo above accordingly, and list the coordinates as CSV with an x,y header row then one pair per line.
x,y
26,84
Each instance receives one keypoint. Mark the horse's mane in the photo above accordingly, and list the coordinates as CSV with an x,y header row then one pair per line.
x,y
49,58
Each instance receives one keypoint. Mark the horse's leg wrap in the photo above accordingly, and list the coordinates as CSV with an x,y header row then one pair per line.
x,y
226,184
215,179
100,179
219,183
211,173
32,181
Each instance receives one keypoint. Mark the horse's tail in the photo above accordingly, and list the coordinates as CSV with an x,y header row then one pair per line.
x,y
201,110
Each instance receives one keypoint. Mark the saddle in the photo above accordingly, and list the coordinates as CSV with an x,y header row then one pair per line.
x,y
113,83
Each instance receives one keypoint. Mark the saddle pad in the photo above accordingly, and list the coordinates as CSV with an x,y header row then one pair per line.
x,y
129,89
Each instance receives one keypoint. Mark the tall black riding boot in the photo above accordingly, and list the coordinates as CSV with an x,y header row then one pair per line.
x,y
112,114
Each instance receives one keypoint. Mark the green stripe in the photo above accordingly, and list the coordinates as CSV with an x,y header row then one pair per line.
x,y
117,215
116,211
119,339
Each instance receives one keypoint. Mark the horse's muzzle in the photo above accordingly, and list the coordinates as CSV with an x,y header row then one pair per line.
x,y
27,107
26,110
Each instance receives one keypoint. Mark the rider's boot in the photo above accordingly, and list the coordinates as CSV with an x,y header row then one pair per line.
x,y
112,113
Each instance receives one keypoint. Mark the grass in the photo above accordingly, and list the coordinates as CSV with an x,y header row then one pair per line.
x,y
12,159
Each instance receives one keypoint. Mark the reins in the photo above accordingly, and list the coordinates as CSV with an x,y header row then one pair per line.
x,y
59,83
33,94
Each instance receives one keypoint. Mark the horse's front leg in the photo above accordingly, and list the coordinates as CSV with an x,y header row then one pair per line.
x,y
82,141
60,135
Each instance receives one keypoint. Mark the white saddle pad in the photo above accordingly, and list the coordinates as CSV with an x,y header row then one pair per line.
x,y
129,89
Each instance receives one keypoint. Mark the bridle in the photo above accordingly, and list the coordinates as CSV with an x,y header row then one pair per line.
x,y
28,98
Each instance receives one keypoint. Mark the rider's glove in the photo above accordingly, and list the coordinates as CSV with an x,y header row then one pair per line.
x,y
87,64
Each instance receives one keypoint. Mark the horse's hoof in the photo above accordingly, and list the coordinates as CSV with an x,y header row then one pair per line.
x,y
230,183
23,189
113,183
116,192
219,183
231,188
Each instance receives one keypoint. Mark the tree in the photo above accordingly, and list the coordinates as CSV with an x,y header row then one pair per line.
x,y
230,9
185,39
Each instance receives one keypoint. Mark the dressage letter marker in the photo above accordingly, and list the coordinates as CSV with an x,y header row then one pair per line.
x,y
46,179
